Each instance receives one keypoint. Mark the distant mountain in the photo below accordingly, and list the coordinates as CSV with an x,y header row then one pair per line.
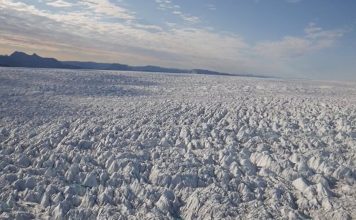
x,y
88,65
159,69
123,67
20,59
209,72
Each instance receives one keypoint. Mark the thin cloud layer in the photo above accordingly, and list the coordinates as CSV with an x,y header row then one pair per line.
x,y
107,31
59,4
175,9
315,38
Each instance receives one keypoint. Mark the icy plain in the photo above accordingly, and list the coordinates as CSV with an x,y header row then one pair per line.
x,y
128,145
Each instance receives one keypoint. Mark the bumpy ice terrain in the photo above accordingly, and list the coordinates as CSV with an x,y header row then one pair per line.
x,y
115,145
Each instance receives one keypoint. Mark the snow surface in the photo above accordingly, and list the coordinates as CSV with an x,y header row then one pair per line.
x,y
115,145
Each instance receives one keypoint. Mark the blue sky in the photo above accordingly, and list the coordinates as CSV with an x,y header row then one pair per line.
x,y
289,38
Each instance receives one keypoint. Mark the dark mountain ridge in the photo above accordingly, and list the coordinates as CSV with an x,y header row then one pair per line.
x,y
20,59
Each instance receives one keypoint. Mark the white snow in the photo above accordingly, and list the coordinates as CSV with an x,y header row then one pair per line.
x,y
128,145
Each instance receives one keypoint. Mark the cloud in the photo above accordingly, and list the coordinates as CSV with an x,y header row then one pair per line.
x,y
211,7
90,34
315,38
167,5
87,30
105,7
187,18
60,4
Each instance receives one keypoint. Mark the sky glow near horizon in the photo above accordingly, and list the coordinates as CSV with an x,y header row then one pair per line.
x,y
289,38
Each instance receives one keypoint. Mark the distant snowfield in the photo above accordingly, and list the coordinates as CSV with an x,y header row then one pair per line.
x,y
121,145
